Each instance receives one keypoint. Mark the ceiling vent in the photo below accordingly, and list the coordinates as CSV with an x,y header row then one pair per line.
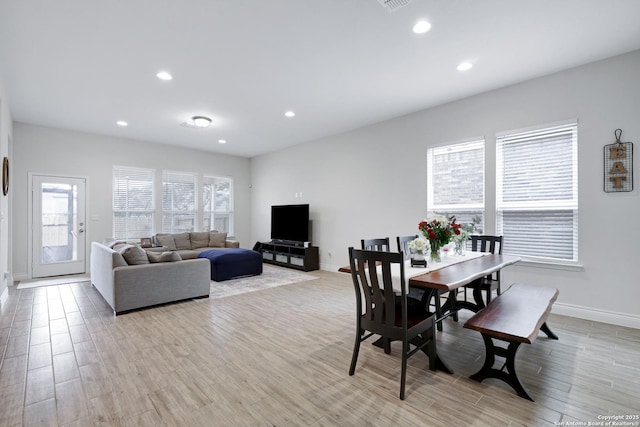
x,y
393,5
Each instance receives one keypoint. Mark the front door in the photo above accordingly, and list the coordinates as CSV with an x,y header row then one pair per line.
x,y
58,221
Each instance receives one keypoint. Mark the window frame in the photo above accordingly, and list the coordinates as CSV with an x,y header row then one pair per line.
x,y
170,212
567,205
212,213
453,208
117,173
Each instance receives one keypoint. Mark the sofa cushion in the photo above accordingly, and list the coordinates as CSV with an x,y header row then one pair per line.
x,y
182,241
199,239
170,256
188,253
134,255
166,240
217,240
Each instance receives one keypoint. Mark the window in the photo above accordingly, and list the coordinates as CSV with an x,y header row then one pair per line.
x,y
537,192
455,182
178,202
133,202
218,203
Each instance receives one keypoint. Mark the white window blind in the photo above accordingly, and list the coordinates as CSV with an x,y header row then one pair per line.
x,y
179,205
133,202
218,203
537,193
455,181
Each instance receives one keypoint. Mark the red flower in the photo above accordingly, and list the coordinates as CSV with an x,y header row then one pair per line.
x,y
439,232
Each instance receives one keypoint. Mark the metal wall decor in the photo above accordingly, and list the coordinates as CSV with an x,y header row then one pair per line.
x,y
618,165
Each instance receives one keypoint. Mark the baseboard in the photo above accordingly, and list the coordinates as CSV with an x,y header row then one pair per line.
x,y
20,276
331,267
596,315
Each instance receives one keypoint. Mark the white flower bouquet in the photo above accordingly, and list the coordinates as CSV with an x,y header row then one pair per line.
x,y
418,245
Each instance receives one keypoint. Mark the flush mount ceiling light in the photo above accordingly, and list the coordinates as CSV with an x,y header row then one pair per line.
x,y
201,121
222,141
122,123
421,27
464,66
164,75
289,114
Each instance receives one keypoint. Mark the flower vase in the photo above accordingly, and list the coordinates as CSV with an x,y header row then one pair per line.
x,y
460,247
435,251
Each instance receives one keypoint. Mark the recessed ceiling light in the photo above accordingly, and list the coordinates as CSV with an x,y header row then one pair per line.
x,y
164,75
122,123
289,114
421,27
201,121
222,141
464,66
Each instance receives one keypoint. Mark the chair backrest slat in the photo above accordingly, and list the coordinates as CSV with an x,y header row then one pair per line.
x,y
485,243
403,244
377,244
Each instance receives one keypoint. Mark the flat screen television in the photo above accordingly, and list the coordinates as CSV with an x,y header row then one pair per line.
x,y
290,223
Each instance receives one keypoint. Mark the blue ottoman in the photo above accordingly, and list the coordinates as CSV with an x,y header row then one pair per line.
x,y
229,263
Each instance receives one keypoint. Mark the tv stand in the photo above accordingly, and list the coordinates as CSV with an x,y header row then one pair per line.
x,y
289,254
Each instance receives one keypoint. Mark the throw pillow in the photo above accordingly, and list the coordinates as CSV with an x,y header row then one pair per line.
x,y
217,240
120,246
182,241
110,243
199,239
166,240
163,257
134,255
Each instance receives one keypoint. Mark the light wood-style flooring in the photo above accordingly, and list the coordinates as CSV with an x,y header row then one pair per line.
x,y
280,357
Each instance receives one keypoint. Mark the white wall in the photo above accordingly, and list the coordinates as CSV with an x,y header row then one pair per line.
x,y
62,152
5,201
372,182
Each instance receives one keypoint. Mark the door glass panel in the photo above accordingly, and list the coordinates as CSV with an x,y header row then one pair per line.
x,y
59,222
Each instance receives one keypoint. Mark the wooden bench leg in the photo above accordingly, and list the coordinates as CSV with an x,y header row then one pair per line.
x,y
510,376
545,328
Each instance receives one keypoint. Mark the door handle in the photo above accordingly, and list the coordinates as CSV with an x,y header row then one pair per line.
x,y
81,230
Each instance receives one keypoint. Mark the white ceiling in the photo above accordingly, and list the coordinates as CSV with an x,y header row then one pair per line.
x,y
339,64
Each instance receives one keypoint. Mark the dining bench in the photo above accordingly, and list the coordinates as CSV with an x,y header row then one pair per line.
x,y
515,317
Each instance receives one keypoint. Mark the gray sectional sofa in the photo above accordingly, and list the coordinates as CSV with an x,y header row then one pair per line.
x,y
130,278
189,245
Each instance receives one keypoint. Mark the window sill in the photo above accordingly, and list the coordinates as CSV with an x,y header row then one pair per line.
x,y
553,265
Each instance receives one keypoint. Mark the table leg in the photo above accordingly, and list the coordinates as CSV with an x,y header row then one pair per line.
x,y
442,365
478,303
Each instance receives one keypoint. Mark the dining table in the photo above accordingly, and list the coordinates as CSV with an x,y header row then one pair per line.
x,y
467,272
452,273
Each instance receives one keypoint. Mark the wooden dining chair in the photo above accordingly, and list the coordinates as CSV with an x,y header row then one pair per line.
x,y
382,311
419,294
378,244
403,244
493,244
414,295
